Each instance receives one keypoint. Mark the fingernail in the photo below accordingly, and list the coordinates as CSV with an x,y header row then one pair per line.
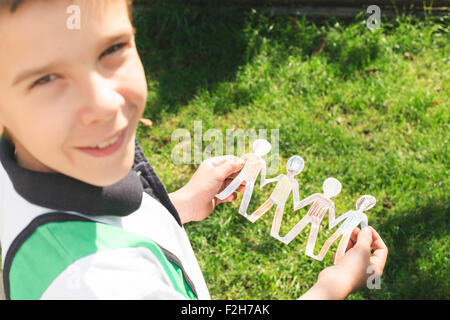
x,y
366,230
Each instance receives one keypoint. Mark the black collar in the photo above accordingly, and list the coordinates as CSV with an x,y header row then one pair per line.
x,y
60,192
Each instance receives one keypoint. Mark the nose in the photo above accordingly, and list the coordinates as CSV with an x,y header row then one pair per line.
x,y
101,101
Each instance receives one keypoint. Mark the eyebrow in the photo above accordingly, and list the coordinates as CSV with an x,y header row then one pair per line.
x,y
32,72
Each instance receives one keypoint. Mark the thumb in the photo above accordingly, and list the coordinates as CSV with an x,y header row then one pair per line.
x,y
364,240
229,167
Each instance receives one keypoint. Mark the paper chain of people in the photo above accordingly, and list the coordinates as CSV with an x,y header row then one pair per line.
x,y
320,202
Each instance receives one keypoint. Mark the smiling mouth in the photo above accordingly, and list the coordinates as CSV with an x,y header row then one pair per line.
x,y
107,143
107,147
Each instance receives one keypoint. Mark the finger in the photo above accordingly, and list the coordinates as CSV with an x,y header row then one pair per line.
x,y
377,241
353,238
217,161
354,235
380,253
228,167
226,183
350,244
233,175
364,240
230,198
241,188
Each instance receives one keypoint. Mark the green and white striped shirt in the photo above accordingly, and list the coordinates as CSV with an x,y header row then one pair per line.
x,y
133,249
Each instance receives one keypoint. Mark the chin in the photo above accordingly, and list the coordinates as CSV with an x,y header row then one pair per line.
x,y
105,175
109,177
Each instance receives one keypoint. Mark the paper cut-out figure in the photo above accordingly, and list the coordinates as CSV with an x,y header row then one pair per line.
x,y
321,203
253,165
286,184
352,219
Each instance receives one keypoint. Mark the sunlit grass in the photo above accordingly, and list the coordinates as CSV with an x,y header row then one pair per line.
x,y
371,109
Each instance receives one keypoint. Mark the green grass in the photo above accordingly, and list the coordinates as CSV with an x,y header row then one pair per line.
x,y
372,109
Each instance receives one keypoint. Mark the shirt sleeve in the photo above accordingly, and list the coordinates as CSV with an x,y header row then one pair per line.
x,y
125,274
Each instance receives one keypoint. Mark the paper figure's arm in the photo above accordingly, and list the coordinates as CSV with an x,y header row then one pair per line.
x,y
295,193
263,173
364,221
331,215
304,202
267,181
338,220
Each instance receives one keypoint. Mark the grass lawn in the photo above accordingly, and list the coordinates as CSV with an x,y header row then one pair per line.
x,y
371,109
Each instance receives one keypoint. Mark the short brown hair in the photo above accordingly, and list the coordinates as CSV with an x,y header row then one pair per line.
x,y
14,4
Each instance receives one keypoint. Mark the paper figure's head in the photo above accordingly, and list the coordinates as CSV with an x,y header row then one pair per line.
x,y
261,147
295,165
331,187
365,202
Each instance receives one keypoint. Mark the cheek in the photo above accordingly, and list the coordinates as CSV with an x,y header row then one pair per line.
x,y
51,120
44,136
50,129
133,84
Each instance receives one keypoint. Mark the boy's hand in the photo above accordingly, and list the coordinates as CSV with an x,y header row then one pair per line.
x,y
196,200
351,272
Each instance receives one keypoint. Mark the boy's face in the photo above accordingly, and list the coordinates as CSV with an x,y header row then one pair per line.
x,y
90,88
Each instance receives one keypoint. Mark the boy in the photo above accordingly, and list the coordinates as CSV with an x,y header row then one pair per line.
x,y
82,213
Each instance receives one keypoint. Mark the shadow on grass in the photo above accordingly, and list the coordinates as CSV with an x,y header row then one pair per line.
x,y
189,50
417,266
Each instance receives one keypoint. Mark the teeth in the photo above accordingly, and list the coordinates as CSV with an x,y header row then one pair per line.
x,y
107,143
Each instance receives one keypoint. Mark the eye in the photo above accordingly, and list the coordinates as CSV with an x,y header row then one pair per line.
x,y
44,80
113,49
